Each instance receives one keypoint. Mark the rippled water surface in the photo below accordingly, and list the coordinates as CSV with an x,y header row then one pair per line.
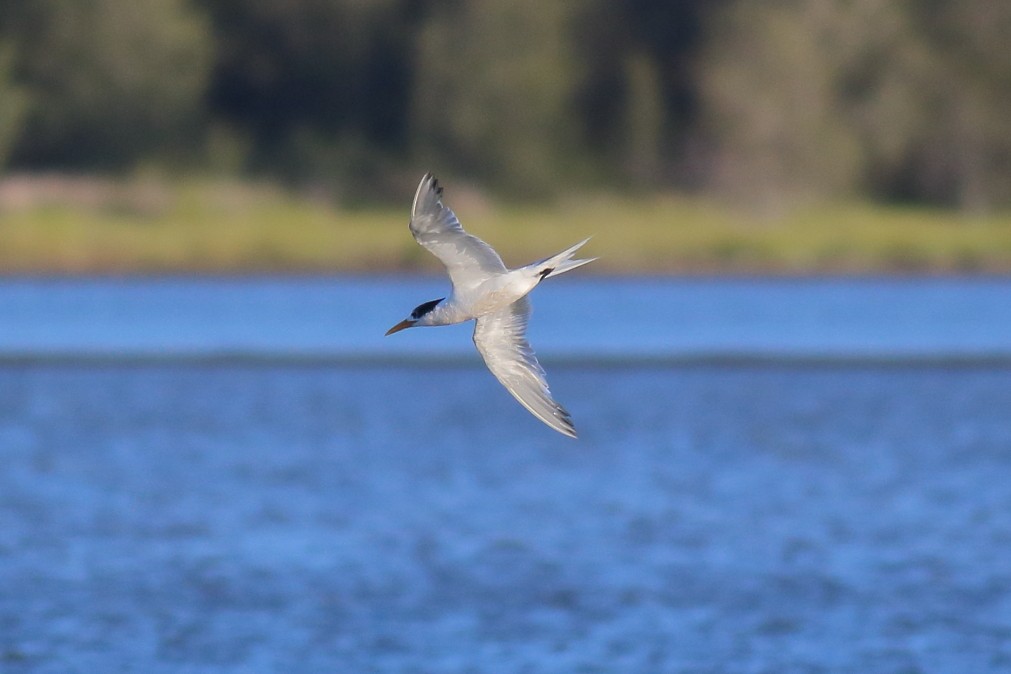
x,y
205,514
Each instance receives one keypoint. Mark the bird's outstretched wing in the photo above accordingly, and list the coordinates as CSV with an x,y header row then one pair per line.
x,y
500,338
468,259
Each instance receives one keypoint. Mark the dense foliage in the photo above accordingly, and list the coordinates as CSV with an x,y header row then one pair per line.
x,y
893,99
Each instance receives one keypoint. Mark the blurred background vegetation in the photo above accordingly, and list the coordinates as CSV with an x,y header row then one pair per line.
x,y
760,121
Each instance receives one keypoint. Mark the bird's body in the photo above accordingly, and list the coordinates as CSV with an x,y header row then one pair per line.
x,y
486,291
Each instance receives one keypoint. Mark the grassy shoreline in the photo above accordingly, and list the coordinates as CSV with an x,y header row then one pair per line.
x,y
214,228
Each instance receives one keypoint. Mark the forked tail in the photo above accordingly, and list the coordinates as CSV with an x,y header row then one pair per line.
x,y
560,263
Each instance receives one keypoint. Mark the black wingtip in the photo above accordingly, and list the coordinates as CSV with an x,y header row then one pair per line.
x,y
432,181
570,428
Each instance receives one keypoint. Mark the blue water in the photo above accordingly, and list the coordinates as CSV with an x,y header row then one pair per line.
x,y
772,476
573,318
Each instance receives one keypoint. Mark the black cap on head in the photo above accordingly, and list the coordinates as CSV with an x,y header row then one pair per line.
x,y
423,309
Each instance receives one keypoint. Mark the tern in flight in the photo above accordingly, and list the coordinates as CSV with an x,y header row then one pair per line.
x,y
495,297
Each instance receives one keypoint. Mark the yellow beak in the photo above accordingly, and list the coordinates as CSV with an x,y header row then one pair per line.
x,y
402,325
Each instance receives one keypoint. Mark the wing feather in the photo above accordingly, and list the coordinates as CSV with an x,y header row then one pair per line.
x,y
468,259
500,338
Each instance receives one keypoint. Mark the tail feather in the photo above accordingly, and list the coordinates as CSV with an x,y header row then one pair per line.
x,y
562,262
569,266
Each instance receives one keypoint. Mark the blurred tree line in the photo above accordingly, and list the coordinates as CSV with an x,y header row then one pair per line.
x,y
797,99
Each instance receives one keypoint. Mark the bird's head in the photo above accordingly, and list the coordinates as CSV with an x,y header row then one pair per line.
x,y
420,316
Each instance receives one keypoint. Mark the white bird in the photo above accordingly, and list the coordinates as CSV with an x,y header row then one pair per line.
x,y
486,291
